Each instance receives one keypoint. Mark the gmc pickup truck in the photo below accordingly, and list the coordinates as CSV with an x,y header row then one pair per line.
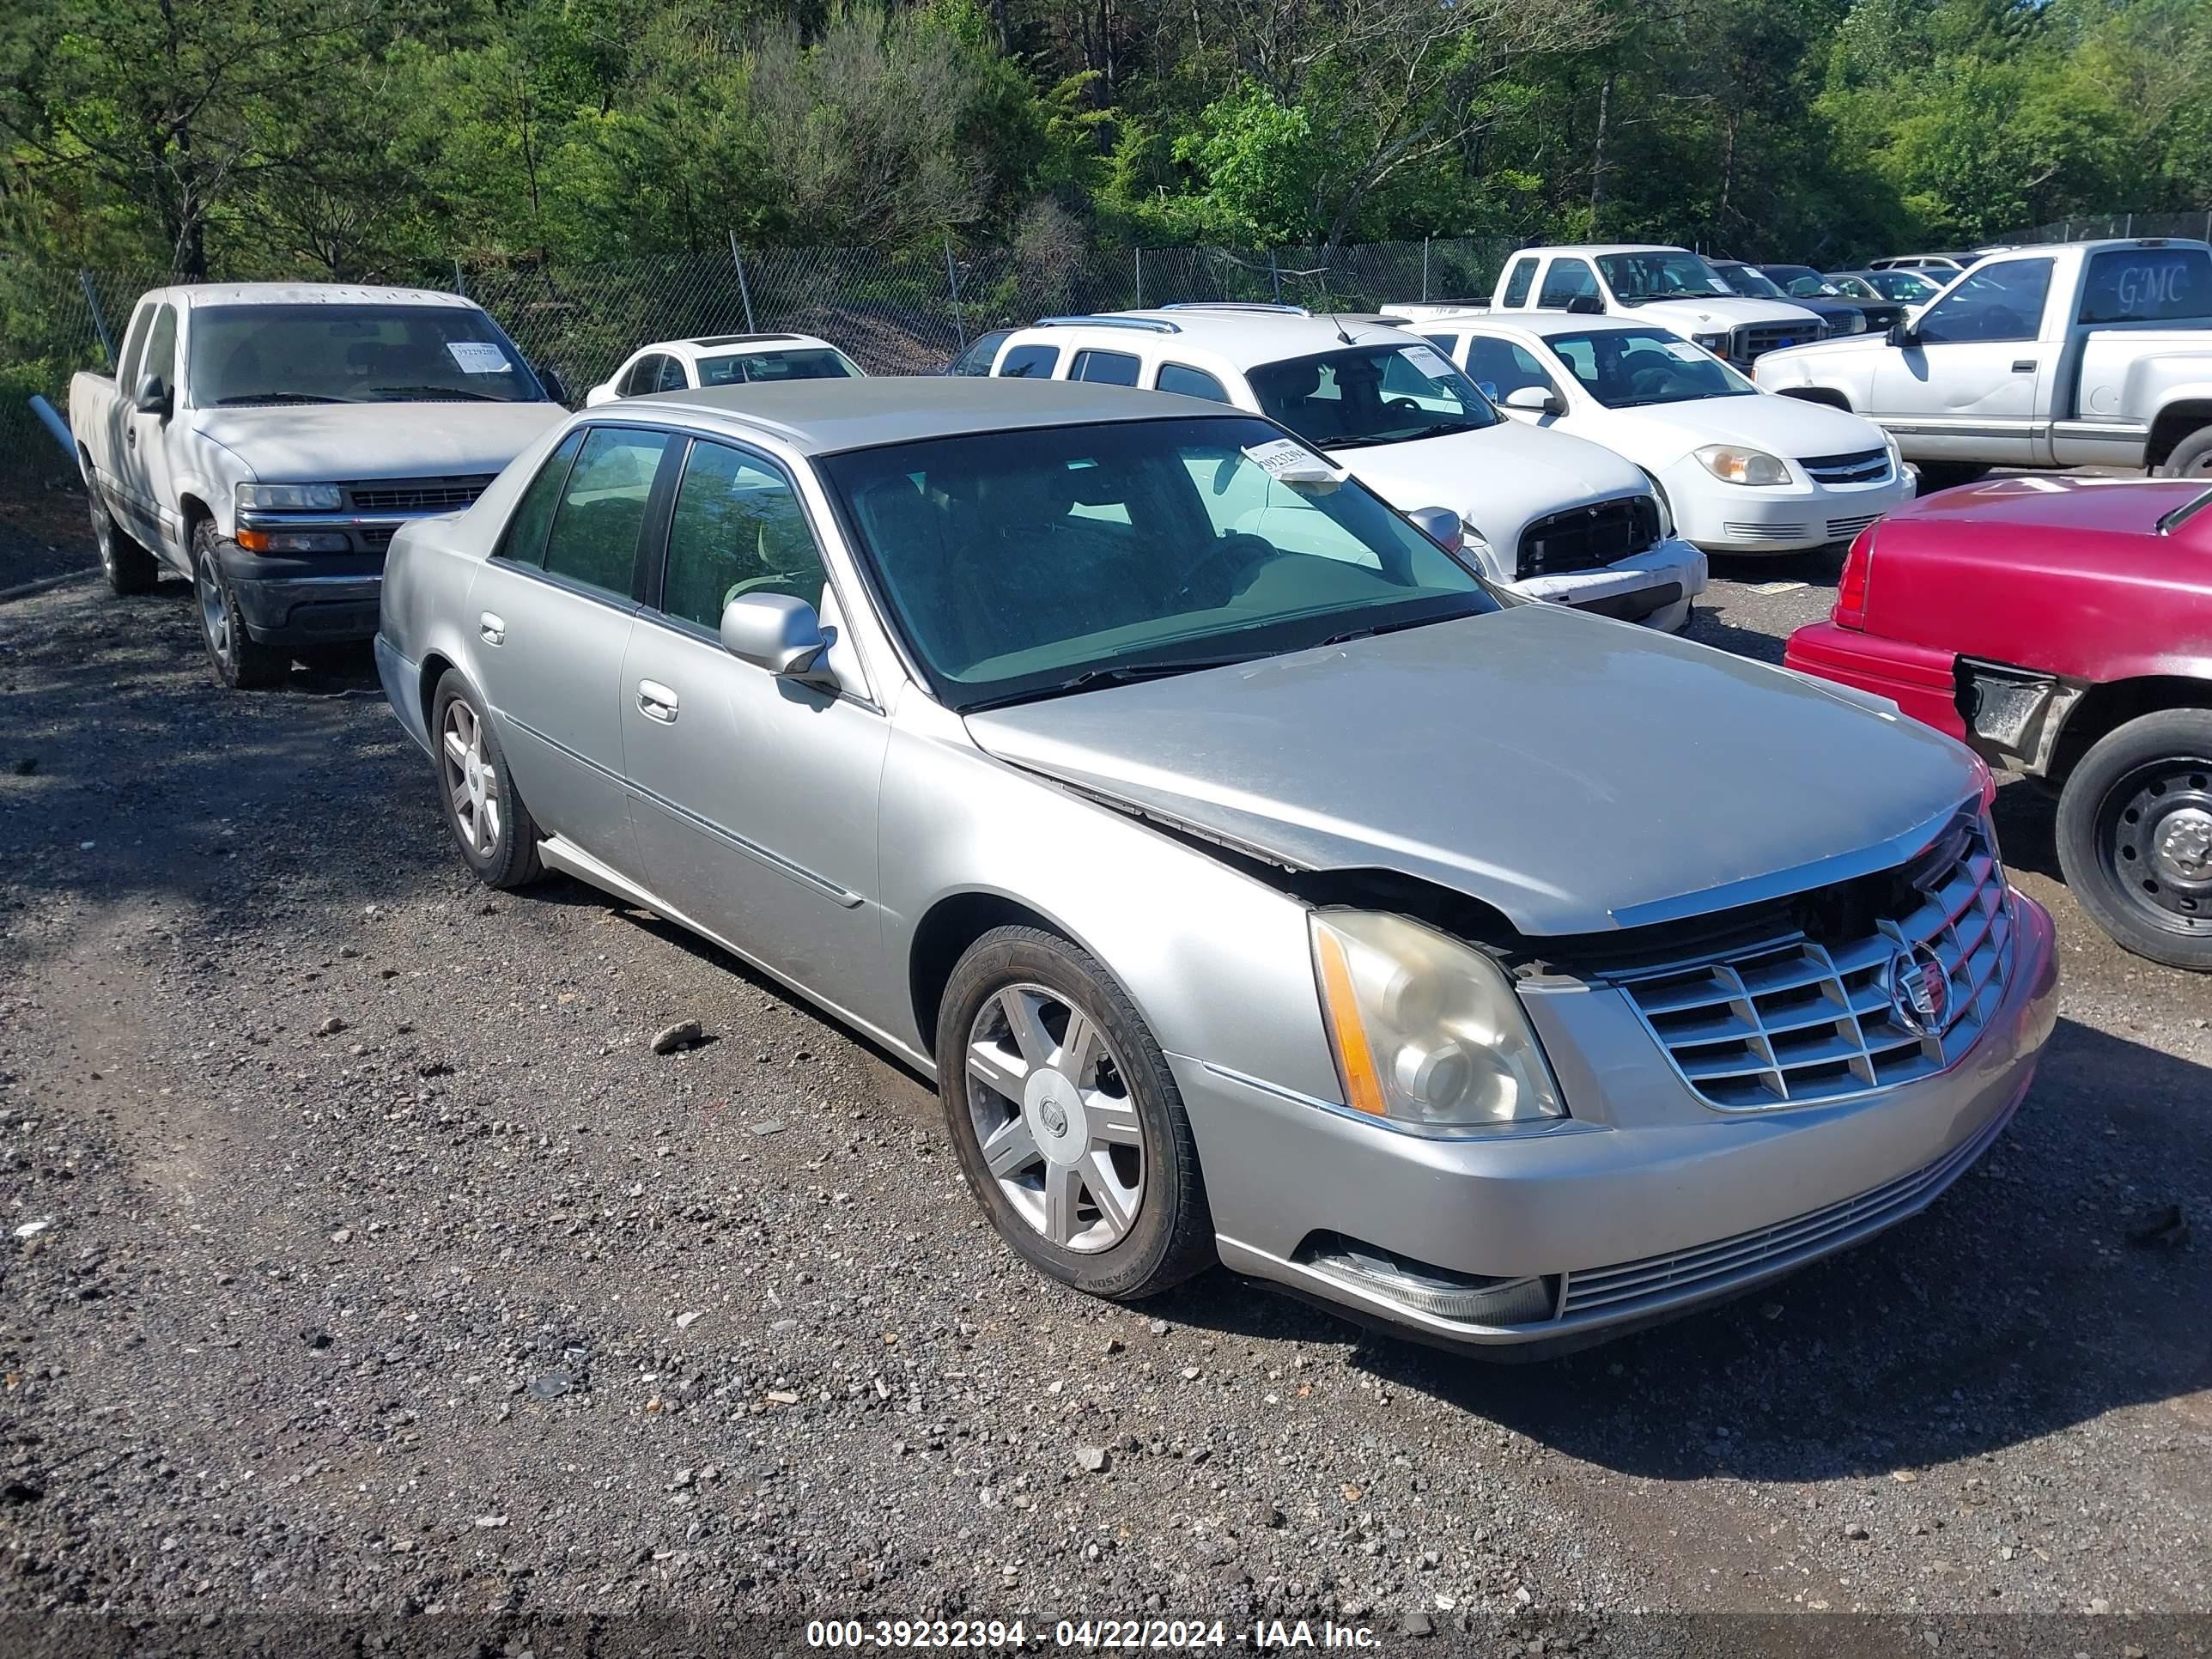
x,y
1669,286
266,440
2092,353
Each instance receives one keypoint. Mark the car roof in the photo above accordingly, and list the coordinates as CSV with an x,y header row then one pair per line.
x,y
823,417
706,343
1240,337
1594,249
1544,324
312,293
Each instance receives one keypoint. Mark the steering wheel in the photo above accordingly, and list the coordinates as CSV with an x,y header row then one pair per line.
x,y
1253,548
1403,406
1650,382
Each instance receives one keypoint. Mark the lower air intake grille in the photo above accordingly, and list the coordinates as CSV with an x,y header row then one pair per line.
x,y
1587,537
1796,1021
1842,530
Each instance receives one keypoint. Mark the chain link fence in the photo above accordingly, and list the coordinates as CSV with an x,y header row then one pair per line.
x,y
2196,224
907,313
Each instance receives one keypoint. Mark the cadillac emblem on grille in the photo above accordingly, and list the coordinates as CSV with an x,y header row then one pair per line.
x,y
1919,990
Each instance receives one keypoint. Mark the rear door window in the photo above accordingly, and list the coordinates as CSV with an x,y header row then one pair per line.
x,y
524,540
593,540
1029,363
2147,285
1107,367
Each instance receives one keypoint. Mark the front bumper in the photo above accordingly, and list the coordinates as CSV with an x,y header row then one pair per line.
x,y
1654,587
319,598
1645,1205
1724,517
1920,680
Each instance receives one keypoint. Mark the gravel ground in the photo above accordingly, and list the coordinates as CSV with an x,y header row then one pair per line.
x,y
366,1264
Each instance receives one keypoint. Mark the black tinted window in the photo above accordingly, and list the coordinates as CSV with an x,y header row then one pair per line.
x,y
1501,368
525,540
672,377
1447,343
1107,367
1516,286
1030,363
1191,382
2147,285
976,359
594,536
1566,279
161,348
737,528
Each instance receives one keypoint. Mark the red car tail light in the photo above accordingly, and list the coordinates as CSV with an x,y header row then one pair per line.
x,y
1851,590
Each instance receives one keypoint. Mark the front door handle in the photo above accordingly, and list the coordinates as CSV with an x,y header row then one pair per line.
x,y
2024,365
130,435
656,701
494,629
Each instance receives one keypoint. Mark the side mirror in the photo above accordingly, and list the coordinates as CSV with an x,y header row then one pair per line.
x,y
1587,305
151,396
1900,333
1440,525
778,633
1538,400
549,378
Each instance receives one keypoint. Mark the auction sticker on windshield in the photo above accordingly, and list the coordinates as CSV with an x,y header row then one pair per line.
x,y
475,357
1290,462
1427,361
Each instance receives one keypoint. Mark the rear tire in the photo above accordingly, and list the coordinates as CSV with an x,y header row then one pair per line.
x,y
2135,836
1097,1181
129,567
241,662
2190,459
475,792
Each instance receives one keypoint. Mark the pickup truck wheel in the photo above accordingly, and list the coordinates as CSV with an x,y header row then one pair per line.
x,y
240,661
1067,1122
129,567
2191,459
475,792
2135,835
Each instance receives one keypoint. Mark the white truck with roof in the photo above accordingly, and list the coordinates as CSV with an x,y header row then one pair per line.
x,y
1545,514
723,360
1670,286
265,441
2088,354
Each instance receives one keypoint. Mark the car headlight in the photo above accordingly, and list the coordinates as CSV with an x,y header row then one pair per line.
x,y
1716,344
1731,463
1428,1034
289,498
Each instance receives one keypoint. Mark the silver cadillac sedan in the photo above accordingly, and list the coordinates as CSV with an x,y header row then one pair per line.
x,y
1258,885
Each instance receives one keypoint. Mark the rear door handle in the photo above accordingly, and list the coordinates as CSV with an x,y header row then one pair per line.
x,y
2024,365
494,629
656,701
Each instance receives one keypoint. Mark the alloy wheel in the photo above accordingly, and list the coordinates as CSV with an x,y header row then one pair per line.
x,y
103,538
471,782
1050,1104
215,608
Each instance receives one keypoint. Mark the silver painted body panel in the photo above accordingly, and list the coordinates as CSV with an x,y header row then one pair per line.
x,y
1570,770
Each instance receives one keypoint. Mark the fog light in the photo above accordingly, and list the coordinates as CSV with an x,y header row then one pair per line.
x,y
1469,1298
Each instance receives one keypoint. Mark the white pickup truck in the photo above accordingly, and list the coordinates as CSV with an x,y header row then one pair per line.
x,y
1671,287
2089,354
266,440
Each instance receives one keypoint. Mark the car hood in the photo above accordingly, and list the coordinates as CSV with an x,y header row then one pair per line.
x,y
1497,479
1577,774
309,443
1789,427
1716,313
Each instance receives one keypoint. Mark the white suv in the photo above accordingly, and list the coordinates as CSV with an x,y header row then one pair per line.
x,y
722,360
1548,515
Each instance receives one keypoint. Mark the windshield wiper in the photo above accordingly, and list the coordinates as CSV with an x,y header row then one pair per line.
x,y
1440,430
275,397
1126,673
392,394
1398,627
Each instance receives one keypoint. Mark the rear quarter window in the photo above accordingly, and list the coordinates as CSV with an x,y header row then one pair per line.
x,y
1516,286
1029,363
2147,285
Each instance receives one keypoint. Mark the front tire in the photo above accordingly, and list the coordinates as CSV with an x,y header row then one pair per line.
x,y
2135,835
129,567
241,662
1067,1122
2190,459
475,792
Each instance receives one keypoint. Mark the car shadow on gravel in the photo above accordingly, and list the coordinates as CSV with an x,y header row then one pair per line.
x,y
2016,1307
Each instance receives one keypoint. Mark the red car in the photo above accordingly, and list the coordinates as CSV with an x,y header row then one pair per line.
x,y
2064,628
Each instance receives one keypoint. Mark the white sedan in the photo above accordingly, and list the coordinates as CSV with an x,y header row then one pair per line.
x,y
722,360
1744,471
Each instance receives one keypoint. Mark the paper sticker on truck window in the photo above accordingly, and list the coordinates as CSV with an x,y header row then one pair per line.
x,y
475,357
1428,362
1289,461
1686,352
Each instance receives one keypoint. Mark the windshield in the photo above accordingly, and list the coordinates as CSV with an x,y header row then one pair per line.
x,y
1377,394
1802,283
1048,560
1906,286
1636,277
1625,369
1751,281
813,363
353,354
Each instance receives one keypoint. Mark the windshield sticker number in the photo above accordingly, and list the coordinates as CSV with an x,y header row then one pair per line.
x,y
1686,351
1428,362
475,357
1289,461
